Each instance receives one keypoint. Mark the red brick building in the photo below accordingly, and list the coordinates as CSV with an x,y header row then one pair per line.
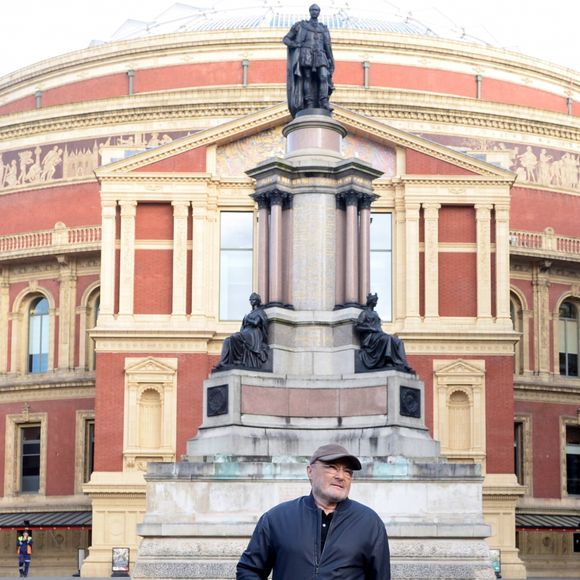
x,y
474,236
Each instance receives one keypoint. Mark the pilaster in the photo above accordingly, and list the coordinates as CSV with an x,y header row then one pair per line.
x,y
351,249
200,251
4,314
108,234
431,216
67,295
263,247
127,257
541,308
365,248
502,263
276,249
412,261
180,217
483,220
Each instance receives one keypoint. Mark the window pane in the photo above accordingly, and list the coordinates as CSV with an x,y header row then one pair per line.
x,y
30,459
571,336
235,284
236,258
381,231
381,263
236,230
38,335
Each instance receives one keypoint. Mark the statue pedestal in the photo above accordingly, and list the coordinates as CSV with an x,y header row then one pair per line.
x,y
259,427
200,514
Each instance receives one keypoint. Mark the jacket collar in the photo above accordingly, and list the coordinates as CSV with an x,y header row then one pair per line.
x,y
339,507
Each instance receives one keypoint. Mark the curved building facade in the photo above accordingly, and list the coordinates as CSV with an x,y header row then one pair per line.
x,y
129,246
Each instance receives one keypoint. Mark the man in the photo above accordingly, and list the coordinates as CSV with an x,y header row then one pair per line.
x,y
24,552
324,535
310,64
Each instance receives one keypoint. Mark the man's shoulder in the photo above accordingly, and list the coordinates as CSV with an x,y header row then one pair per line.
x,y
290,505
361,508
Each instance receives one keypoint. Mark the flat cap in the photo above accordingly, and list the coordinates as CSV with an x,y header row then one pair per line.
x,y
332,452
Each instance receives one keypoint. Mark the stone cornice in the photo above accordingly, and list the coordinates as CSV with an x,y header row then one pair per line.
x,y
234,102
553,390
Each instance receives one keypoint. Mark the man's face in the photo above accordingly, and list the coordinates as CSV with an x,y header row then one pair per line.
x,y
314,10
330,481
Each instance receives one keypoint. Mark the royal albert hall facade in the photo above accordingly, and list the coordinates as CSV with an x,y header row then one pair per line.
x,y
129,244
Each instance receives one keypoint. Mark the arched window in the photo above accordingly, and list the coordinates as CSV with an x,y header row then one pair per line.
x,y
93,306
38,333
568,335
516,314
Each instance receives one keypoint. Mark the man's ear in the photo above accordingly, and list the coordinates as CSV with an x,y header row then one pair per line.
x,y
309,471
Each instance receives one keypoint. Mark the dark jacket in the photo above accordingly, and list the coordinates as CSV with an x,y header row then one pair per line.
x,y
287,540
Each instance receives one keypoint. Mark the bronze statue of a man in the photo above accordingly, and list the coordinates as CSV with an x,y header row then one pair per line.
x,y
310,64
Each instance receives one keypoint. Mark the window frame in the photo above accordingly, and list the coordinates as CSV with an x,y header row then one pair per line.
x,y
385,314
559,333
222,315
83,418
13,460
566,422
44,335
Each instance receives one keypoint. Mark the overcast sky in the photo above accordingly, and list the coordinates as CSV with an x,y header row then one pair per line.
x,y
32,30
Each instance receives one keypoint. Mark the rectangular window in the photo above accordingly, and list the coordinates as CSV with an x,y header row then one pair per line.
x,y
236,260
573,460
519,451
30,459
381,263
89,452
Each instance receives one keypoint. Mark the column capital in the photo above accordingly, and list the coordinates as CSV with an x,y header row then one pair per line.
x,y
128,208
366,199
277,197
502,213
483,208
351,198
262,199
431,210
180,209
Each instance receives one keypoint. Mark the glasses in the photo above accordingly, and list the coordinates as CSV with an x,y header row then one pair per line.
x,y
333,469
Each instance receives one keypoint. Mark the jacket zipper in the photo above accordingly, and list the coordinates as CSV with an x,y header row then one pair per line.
x,y
319,558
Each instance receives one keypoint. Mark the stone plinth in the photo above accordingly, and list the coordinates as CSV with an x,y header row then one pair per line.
x,y
264,414
200,514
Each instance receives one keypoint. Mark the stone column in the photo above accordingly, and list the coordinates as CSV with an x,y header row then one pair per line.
x,y
180,219
263,247
431,215
483,219
340,250
127,257
541,290
288,237
108,258
4,314
502,262
412,260
66,308
365,249
351,249
200,249
275,263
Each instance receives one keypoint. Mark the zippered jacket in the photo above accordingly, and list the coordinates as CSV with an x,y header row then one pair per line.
x,y
287,541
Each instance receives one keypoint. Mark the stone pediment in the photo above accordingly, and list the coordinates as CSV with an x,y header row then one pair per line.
x,y
459,368
148,366
242,143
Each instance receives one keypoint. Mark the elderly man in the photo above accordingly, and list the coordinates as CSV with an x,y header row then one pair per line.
x,y
324,535
310,64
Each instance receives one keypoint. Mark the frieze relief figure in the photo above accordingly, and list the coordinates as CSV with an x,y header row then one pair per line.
x,y
310,64
378,350
248,348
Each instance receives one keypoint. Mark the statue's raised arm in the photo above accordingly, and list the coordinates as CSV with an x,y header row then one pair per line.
x,y
310,64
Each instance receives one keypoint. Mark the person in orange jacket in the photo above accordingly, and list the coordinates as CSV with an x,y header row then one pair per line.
x,y
24,551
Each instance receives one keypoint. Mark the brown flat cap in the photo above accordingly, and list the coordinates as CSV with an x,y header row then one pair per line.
x,y
332,452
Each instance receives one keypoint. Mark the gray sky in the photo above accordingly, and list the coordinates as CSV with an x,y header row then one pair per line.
x,y
32,30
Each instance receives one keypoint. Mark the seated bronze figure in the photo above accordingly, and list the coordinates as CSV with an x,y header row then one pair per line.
x,y
378,350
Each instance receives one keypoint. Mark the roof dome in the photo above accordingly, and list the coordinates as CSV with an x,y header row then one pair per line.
x,y
226,15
